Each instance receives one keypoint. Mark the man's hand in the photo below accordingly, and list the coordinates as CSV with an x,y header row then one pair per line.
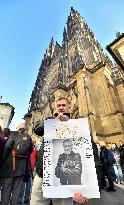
x,y
63,168
62,117
68,171
79,198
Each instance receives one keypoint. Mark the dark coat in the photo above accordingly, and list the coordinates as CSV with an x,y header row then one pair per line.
x,y
121,150
103,155
97,164
95,153
107,157
2,145
73,166
39,162
20,162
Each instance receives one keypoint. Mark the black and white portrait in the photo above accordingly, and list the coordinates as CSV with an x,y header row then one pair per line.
x,y
67,163
68,159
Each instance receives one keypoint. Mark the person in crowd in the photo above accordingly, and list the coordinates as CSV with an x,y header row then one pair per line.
x,y
69,166
2,145
34,153
26,185
6,134
29,175
96,152
121,150
0,130
17,149
109,146
63,109
117,165
96,141
37,194
107,161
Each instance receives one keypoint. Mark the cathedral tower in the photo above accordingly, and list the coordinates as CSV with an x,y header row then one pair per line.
x,y
81,71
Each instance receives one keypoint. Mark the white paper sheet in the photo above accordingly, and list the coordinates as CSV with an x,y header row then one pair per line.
x,y
68,159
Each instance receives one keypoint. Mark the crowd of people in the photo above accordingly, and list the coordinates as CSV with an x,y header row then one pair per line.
x,y
21,164
112,163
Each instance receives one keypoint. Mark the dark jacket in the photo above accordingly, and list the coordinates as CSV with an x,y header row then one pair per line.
x,y
2,145
106,157
39,130
121,150
73,169
97,164
95,153
39,162
20,162
73,163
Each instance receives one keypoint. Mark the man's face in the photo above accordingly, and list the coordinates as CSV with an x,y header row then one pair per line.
x,y
33,140
21,130
109,145
67,147
6,132
120,143
62,106
113,146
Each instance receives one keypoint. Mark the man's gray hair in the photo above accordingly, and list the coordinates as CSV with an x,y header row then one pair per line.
x,y
67,140
62,98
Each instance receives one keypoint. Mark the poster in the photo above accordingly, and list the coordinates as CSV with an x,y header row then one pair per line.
x,y
68,159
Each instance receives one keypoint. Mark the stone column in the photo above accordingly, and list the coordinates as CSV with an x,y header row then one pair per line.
x,y
84,98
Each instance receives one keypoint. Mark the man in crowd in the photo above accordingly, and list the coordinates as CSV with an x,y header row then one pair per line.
x,y
63,111
6,134
69,167
2,144
16,151
27,180
107,160
121,150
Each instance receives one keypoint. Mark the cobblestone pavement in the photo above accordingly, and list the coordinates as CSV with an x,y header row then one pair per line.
x,y
109,198
117,196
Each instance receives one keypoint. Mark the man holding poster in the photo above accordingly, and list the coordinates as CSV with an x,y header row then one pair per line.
x,y
63,110
66,186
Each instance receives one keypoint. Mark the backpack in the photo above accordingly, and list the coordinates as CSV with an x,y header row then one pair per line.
x,y
110,160
21,145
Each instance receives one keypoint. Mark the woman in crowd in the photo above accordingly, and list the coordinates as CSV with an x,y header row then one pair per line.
x,y
117,165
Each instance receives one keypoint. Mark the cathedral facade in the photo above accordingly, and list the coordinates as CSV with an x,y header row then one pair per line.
x,y
79,70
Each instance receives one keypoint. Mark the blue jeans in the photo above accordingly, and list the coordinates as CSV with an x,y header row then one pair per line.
x,y
122,167
118,172
25,191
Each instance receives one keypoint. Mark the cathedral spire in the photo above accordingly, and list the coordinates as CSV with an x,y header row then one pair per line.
x,y
65,36
52,41
73,10
50,49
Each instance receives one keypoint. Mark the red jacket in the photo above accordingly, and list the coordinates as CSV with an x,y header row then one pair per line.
x,y
33,157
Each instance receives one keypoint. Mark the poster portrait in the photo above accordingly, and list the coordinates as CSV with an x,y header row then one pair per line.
x,y
68,159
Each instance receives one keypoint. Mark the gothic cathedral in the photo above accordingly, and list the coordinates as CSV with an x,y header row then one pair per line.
x,y
80,70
